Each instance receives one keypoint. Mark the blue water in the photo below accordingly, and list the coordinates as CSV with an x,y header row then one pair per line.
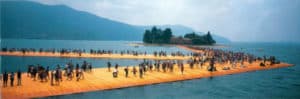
x,y
86,45
13,63
283,83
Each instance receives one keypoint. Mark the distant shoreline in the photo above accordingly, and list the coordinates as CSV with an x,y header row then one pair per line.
x,y
175,45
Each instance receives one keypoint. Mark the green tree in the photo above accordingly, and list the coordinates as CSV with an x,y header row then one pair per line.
x,y
154,34
147,37
191,35
200,40
167,34
210,39
159,36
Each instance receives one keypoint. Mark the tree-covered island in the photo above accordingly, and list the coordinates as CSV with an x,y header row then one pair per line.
x,y
159,36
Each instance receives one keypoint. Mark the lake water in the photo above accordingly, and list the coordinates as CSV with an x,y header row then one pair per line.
x,y
270,84
13,63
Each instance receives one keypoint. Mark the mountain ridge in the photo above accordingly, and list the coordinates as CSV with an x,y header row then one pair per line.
x,y
31,20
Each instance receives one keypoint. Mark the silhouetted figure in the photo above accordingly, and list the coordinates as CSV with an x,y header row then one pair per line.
x,y
79,74
47,72
126,71
28,70
191,65
265,59
164,66
84,66
171,66
150,66
272,60
19,76
108,66
181,68
12,78
134,71
116,66
211,65
157,66
5,79
57,76
34,72
141,72
90,67
52,78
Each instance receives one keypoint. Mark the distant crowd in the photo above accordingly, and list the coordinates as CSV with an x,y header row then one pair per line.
x,y
227,59
92,51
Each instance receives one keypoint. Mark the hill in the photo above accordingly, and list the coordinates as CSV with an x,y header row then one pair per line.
x,y
30,20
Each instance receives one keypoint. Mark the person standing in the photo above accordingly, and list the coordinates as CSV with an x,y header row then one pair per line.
x,y
115,73
134,71
141,71
90,67
19,76
181,68
52,77
157,66
108,66
57,76
191,64
265,59
5,78
47,73
212,65
12,78
116,66
34,72
126,71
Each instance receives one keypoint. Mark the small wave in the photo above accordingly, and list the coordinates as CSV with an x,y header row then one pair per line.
x,y
297,85
278,77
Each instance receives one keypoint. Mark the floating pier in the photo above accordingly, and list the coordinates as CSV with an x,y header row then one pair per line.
x,y
87,55
101,79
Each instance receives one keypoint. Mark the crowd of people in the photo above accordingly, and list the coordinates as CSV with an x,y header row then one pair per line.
x,y
42,74
6,77
64,51
160,66
224,57
207,55
147,65
227,59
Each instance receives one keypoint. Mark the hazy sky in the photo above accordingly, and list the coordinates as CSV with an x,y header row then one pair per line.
x,y
238,20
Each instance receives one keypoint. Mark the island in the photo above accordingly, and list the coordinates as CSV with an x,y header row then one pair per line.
x,y
159,36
